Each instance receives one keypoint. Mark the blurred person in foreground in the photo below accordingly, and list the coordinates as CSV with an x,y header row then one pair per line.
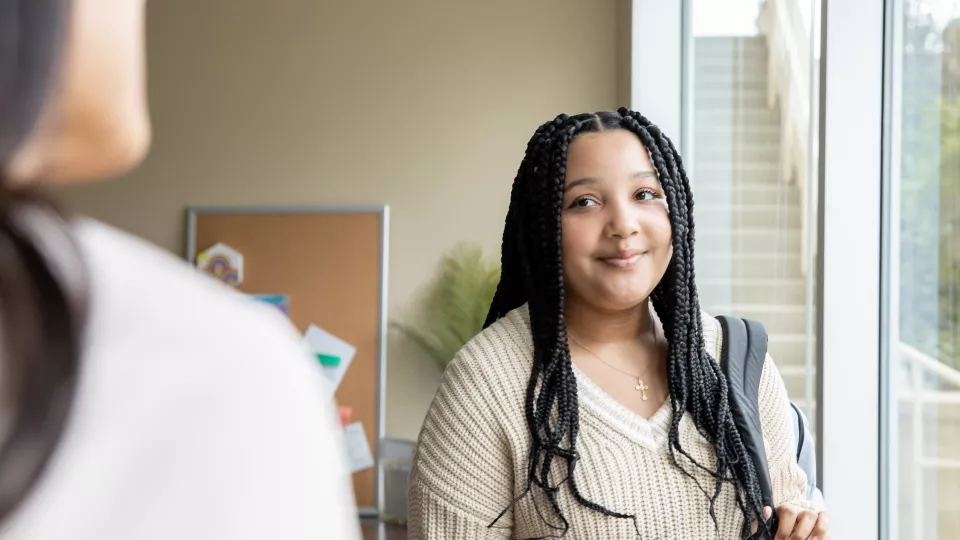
x,y
138,399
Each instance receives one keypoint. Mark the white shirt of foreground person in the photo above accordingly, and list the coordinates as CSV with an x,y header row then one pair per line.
x,y
198,416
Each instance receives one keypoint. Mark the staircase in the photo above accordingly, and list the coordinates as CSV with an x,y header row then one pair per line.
x,y
748,222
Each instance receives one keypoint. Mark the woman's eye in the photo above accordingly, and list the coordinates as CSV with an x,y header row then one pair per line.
x,y
583,202
646,195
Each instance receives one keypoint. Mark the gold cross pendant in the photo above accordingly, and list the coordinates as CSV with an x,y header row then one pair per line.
x,y
642,388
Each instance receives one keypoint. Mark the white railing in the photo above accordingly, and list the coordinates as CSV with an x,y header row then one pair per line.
x,y
787,27
913,391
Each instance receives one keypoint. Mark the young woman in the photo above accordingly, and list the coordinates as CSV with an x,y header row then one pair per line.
x,y
137,399
592,405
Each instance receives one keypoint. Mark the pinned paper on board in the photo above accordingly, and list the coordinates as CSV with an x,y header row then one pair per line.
x,y
331,352
279,301
357,447
222,263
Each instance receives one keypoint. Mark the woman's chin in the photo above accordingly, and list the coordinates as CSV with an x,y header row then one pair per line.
x,y
602,293
621,301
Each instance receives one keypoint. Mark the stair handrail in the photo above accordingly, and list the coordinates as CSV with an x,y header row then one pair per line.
x,y
911,355
788,36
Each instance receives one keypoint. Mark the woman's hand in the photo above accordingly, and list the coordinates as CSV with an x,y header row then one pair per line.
x,y
796,523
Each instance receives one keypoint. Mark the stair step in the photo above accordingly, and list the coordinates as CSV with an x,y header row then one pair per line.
x,y
708,76
731,59
747,194
731,43
777,318
723,295
789,351
752,100
795,379
742,115
765,282
738,116
770,257
732,92
710,46
791,361
706,133
746,184
758,311
766,216
744,167
748,240
729,72
726,82
715,267
726,174
723,206
746,67
707,52
738,151
729,137
753,294
742,268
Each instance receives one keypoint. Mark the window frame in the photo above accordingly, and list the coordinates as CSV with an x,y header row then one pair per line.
x,y
850,283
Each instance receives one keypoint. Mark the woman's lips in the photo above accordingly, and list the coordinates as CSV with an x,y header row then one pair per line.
x,y
623,260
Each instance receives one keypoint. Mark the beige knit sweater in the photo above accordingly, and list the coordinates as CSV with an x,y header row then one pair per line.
x,y
472,455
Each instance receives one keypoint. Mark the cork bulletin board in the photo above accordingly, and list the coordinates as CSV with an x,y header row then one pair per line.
x,y
332,265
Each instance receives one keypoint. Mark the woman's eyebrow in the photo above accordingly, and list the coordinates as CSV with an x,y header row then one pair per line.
x,y
579,182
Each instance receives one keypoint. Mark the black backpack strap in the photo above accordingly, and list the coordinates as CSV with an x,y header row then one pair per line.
x,y
742,356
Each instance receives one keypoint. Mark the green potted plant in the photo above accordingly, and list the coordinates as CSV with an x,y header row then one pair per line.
x,y
455,303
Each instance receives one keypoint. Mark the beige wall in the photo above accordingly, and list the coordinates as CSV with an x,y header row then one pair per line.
x,y
425,105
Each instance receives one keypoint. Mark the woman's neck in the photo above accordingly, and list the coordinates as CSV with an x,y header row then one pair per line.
x,y
590,324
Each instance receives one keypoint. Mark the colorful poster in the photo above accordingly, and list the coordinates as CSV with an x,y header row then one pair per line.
x,y
222,263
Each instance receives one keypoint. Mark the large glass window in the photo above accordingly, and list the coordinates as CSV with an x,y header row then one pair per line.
x,y
749,110
923,431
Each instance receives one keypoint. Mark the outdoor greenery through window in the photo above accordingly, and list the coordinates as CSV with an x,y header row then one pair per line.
x,y
925,352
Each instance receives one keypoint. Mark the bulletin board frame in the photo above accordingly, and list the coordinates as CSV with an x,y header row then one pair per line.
x,y
382,212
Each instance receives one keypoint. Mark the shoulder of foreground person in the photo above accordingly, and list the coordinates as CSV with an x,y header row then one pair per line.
x,y
138,291
199,414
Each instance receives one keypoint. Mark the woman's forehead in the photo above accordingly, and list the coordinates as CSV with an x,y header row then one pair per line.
x,y
609,154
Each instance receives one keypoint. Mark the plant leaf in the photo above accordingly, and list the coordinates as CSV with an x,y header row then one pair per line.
x,y
456,303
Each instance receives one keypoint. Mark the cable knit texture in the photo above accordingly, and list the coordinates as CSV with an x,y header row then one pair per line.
x,y
473,450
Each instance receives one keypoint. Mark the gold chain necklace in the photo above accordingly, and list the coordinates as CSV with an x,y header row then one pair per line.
x,y
641,387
